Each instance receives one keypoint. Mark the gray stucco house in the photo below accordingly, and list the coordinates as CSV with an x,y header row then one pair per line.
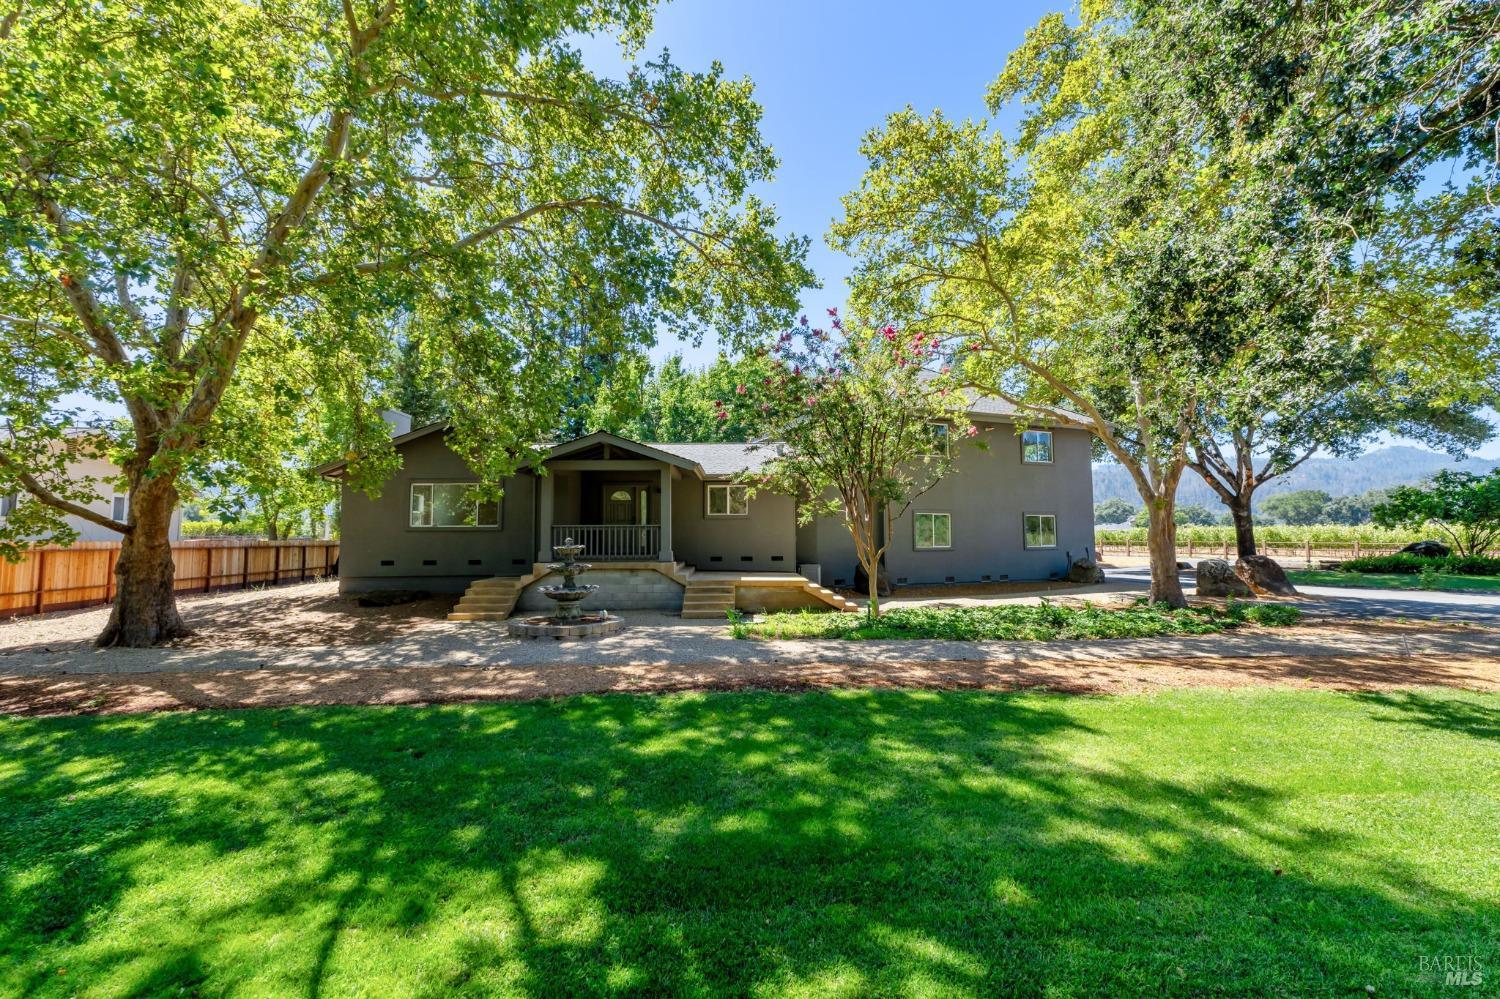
x,y
678,526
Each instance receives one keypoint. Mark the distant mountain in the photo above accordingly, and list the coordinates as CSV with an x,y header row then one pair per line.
x,y
1391,466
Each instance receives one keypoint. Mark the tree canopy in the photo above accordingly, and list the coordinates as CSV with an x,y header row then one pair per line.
x,y
178,174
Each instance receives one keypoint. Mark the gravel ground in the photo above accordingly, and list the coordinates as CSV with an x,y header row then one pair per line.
x,y
305,644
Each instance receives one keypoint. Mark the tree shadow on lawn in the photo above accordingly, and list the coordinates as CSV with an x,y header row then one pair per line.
x,y
860,843
1446,714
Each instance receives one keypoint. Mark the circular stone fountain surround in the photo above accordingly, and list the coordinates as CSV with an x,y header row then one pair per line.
x,y
570,621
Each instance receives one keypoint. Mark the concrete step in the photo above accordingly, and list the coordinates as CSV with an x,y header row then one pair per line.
x,y
481,603
478,616
704,615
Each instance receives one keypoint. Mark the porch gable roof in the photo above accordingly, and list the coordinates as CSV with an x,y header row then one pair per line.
x,y
600,438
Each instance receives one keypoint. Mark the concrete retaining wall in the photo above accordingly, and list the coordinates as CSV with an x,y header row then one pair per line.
x,y
619,589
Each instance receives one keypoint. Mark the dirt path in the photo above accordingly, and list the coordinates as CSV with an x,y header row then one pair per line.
x,y
169,691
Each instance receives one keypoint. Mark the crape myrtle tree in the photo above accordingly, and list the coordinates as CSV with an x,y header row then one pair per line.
x,y
1464,506
864,427
177,174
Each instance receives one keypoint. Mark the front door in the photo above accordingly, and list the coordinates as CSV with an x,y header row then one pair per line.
x,y
625,504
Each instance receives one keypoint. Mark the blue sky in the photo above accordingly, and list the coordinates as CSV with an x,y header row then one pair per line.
x,y
825,73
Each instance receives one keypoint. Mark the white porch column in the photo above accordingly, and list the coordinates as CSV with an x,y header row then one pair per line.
x,y
544,519
666,513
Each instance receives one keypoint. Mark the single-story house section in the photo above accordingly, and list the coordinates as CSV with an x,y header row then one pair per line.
x,y
682,527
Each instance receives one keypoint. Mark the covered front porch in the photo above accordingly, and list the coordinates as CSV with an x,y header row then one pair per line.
x,y
612,496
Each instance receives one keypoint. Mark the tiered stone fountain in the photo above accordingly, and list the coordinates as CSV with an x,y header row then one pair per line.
x,y
570,620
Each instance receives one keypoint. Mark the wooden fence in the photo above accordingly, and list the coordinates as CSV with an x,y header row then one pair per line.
x,y
1306,552
50,578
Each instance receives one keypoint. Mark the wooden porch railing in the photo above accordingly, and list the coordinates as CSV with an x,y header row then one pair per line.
x,y
612,542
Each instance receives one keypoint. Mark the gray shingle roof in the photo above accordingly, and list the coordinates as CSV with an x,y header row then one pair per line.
x,y
722,459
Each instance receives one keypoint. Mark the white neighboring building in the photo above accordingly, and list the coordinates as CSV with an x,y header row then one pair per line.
x,y
110,503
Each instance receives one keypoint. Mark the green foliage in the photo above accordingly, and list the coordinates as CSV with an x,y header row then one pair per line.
x,y
1115,511
865,842
1275,534
219,529
1408,564
1463,506
672,402
447,186
865,428
1191,514
1396,581
1039,622
1299,508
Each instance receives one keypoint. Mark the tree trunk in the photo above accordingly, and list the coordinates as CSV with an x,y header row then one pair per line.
x,y
1244,526
873,576
1166,586
145,611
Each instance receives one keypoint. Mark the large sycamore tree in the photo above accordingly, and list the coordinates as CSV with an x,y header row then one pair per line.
x,y
1148,255
178,175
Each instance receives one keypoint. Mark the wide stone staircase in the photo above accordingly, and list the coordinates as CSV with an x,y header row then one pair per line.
x,y
704,595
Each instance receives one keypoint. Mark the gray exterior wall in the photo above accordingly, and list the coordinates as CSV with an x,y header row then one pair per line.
x,y
986,494
764,541
375,531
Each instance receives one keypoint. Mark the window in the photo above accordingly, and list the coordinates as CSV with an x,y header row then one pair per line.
x,y
1041,530
938,434
933,530
1036,447
451,504
726,500
8,504
121,510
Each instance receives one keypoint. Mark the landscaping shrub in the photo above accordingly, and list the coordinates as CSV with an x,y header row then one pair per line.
x,y
1406,565
1038,622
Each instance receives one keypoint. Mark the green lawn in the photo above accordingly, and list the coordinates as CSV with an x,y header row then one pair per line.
x,y
1034,622
1393,581
896,843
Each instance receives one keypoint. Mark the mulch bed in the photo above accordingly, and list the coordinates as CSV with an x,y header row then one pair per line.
x,y
88,694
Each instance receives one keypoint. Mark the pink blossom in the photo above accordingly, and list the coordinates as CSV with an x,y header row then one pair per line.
x,y
947,369
972,432
740,389
723,415
802,321
974,346
834,313
812,400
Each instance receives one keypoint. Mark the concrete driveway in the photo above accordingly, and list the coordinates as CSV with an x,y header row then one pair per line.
x,y
1353,603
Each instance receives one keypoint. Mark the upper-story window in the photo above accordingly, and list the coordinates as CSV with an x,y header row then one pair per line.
x,y
726,500
8,504
121,510
1036,447
937,434
451,504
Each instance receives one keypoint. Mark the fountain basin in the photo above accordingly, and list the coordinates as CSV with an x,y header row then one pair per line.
x,y
586,625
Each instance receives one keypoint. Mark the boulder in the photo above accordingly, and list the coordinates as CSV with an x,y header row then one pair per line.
x,y
1427,549
1216,578
1263,575
1085,570
862,581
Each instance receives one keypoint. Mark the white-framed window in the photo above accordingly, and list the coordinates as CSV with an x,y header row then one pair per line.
x,y
932,531
938,434
121,510
8,504
451,504
726,499
1036,447
1040,530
